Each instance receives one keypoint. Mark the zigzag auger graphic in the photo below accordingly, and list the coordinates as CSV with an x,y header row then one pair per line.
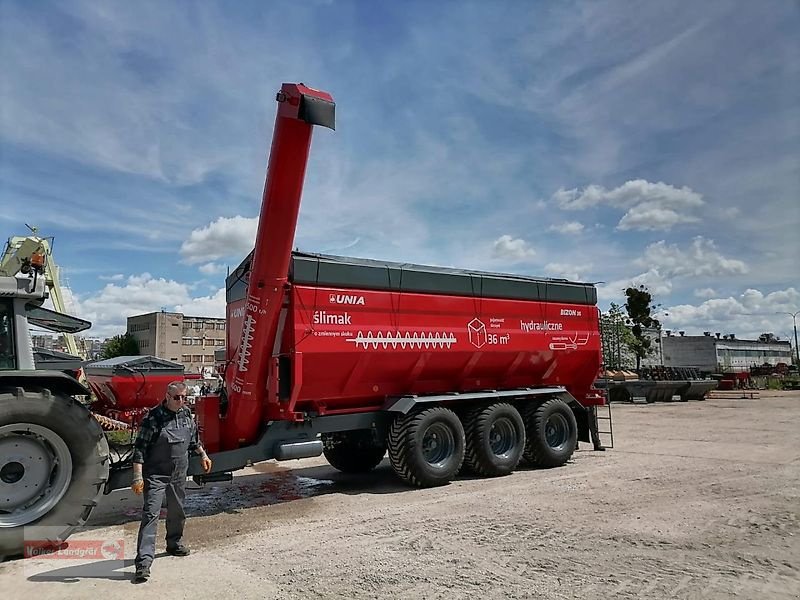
x,y
415,340
247,338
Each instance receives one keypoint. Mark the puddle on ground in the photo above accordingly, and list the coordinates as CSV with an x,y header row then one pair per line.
x,y
277,487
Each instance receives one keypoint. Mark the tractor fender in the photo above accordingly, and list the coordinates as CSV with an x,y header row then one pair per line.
x,y
55,381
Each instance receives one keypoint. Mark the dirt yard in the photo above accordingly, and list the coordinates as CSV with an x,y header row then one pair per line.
x,y
697,500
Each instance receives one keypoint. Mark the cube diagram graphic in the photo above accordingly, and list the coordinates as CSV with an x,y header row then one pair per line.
x,y
477,333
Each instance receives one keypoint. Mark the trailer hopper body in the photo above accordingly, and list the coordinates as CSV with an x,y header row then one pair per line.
x,y
358,332
355,334
358,357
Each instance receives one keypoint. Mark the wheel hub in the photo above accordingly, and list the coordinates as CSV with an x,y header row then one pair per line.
x,y
35,472
556,431
438,445
502,437
12,472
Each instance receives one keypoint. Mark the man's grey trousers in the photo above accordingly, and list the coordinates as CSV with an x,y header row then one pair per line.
x,y
155,487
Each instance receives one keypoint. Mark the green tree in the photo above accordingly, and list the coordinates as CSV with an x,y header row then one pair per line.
x,y
120,345
640,311
617,339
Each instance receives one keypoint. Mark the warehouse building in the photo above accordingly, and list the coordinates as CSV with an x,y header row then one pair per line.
x,y
716,353
179,338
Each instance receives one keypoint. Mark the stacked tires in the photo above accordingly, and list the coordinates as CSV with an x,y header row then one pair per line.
x,y
429,446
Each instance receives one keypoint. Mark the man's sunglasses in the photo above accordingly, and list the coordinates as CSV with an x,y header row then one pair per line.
x,y
180,396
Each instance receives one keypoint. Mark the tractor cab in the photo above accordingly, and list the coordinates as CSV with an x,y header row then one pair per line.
x,y
21,301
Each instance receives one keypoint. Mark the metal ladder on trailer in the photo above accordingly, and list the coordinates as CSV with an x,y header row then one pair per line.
x,y
604,416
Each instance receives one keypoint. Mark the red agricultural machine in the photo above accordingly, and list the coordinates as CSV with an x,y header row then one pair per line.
x,y
443,369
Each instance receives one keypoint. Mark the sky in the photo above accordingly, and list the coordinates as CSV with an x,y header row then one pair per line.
x,y
653,143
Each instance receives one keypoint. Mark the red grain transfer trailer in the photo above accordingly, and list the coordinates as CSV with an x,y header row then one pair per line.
x,y
354,358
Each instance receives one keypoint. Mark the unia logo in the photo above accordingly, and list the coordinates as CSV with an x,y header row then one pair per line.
x,y
346,299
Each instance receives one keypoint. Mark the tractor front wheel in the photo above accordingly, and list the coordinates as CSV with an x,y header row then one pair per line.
x,y
53,465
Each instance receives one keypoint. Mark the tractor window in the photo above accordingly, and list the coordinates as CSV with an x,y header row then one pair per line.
x,y
7,361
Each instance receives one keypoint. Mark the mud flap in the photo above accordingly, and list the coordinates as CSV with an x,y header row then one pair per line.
x,y
582,419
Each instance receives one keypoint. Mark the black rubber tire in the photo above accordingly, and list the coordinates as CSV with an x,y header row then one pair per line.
x,y
407,453
480,458
353,451
88,448
537,420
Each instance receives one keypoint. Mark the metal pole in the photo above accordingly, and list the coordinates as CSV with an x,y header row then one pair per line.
x,y
794,323
796,349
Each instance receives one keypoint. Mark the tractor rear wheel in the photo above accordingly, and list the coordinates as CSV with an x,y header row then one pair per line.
x,y
353,451
426,448
495,438
551,433
53,465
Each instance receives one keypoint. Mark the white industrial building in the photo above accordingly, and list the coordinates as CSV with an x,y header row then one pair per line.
x,y
715,353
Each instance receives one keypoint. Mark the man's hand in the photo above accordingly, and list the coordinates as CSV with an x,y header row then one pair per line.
x,y
205,462
138,483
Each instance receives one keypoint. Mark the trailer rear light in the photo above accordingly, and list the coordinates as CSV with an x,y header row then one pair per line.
x,y
595,397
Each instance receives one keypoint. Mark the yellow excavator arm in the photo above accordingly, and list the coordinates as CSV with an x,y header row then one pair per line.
x,y
21,254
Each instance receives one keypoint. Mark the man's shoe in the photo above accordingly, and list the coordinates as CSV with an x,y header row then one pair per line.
x,y
179,551
600,448
142,574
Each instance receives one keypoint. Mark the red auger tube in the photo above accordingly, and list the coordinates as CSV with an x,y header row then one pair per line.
x,y
299,109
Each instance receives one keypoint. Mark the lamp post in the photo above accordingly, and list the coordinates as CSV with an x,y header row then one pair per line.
x,y
794,322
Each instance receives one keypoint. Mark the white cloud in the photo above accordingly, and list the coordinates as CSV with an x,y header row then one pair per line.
x,y
651,279
705,293
665,263
748,315
651,217
567,271
115,277
701,259
225,237
109,308
211,268
568,228
506,247
649,206
205,306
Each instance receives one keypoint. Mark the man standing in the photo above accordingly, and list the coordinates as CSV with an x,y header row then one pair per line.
x,y
160,460
594,430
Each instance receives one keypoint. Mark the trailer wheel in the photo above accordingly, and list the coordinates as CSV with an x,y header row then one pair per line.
x,y
53,465
426,448
551,433
353,451
495,437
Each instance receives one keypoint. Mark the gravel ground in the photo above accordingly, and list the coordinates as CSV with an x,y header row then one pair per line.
x,y
697,500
